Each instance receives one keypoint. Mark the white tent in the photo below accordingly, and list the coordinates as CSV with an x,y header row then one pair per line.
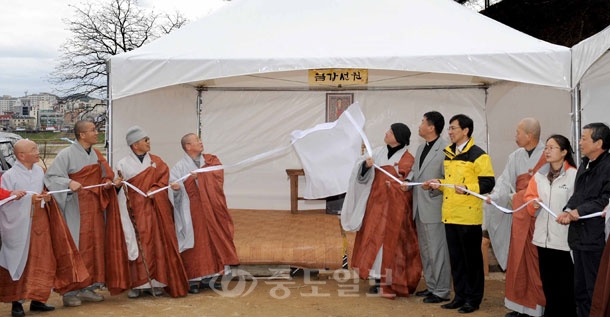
x,y
591,77
240,77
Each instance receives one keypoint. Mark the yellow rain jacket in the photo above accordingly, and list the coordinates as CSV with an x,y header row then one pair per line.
x,y
472,168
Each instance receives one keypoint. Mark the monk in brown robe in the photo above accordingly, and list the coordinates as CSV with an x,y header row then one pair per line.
x,y
29,269
600,305
155,260
523,291
203,223
92,215
386,246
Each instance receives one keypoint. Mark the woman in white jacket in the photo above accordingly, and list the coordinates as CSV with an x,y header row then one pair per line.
x,y
553,185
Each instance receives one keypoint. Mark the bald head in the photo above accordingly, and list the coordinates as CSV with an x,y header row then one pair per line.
x,y
192,145
531,126
528,133
26,152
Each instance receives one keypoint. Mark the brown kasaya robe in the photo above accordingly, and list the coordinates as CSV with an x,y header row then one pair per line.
x,y
53,260
102,243
600,305
155,224
523,283
212,224
388,221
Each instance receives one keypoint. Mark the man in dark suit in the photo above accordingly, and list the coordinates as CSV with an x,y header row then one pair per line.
x,y
427,207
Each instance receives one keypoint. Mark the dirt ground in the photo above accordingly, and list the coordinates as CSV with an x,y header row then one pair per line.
x,y
301,296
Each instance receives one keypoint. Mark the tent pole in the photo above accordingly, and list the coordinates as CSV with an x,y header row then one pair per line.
x,y
576,109
198,109
487,121
108,134
345,88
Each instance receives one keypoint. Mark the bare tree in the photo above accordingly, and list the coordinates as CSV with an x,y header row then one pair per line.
x,y
100,30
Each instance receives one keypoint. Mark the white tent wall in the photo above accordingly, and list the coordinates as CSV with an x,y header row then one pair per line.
x,y
510,102
238,125
166,114
595,95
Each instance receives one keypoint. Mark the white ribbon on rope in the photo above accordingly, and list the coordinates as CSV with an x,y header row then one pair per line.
x,y
482,197
6,200
278,151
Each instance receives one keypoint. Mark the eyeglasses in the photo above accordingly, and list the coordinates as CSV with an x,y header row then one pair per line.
x,y
551,148
451,128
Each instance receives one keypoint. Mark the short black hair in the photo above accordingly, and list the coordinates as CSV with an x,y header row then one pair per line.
x,y
599,131
79,127
465,122
436,119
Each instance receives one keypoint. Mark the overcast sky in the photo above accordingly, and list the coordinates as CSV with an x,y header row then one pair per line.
x,y
31,32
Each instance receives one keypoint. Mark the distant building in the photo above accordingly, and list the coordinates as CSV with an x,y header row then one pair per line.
x,y
5,120
22,123
49,120
37,99
49,112
7,103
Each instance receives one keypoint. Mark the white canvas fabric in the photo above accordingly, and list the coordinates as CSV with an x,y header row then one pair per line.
x,y
244,37
328,152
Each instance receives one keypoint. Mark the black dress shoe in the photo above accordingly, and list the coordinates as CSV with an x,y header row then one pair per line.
x,y
194,289
216,286
467,309
433,299
424,293
516,314
40,306
17,310
453,305
374,289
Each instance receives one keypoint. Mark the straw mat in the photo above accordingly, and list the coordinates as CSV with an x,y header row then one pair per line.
x,y
270,237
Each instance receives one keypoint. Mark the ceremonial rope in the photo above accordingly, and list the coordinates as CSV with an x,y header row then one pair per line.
x,y
286,148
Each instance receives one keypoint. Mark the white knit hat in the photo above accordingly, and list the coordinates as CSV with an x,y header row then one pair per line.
x,y
135,134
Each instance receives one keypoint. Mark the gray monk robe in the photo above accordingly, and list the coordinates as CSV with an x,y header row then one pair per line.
x,y
92,215
159,258
499,224
386,244
203,223
511,234
38,252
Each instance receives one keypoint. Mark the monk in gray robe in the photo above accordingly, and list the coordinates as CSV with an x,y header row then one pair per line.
x,y
155,262
386,246
511,234
92,214
38,252
203,224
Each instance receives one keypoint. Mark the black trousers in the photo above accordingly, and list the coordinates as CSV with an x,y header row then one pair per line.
x,y
464,243
556,272
586,266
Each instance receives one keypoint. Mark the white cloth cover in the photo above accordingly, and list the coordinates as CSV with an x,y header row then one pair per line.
x,y
328,152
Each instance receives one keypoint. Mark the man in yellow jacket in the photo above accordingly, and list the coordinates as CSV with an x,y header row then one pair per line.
x,y
467,166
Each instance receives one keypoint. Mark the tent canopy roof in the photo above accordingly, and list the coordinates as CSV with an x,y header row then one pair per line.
x,y
254,37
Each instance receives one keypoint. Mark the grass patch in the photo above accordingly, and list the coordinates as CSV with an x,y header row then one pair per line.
x,y
54,137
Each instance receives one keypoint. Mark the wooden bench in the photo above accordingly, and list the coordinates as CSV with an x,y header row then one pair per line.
x,y
294,174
